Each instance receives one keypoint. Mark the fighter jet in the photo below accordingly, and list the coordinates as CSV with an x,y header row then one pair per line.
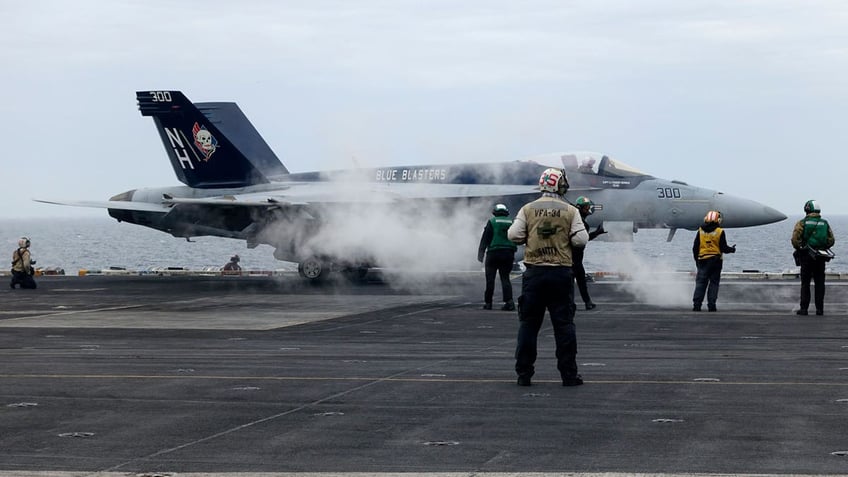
x,y
236,187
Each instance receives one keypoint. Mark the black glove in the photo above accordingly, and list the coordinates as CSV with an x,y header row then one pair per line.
x,y
600,230
733,249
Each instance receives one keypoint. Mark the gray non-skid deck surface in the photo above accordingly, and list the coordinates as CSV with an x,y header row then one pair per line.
x,y
158,374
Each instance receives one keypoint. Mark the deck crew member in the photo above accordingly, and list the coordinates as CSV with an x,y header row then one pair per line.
x,y
500,256
233,264
22,263
550,227
586,208
710,243
811,237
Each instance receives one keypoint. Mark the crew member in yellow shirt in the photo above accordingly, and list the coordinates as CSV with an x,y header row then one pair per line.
x,y
710,244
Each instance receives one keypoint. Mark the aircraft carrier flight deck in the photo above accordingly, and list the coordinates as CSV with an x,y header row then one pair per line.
x,y
168,375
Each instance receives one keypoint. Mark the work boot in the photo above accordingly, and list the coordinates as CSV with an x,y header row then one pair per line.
x,y
590,306
487,306
820,312
508,306
572,380
524,381
801,312
711,308
696,307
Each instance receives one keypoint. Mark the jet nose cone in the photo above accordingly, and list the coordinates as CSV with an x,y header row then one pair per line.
x,y
739,212
772,215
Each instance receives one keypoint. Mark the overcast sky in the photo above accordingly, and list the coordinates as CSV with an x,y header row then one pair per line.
x,y
747,97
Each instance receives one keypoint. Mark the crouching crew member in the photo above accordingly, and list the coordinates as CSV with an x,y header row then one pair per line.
x,y
710,243
500,255
233,264
22,263
550,227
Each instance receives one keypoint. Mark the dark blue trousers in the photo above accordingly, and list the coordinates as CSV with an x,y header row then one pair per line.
x,y
498,262
579,273
551,289
812,270
23,279
707,281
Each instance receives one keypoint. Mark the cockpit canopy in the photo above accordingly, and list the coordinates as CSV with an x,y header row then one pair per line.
x,y
585,162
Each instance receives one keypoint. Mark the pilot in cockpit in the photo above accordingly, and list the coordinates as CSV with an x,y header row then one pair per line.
x,y
587,166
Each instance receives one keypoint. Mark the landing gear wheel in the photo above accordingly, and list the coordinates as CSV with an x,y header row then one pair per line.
x,y
313,269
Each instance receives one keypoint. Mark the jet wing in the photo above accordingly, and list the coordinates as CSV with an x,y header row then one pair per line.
x,y
112,204
324,192
299,194
393,191
306,193
232,200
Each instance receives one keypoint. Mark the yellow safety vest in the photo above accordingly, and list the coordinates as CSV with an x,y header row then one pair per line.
x,y
710,244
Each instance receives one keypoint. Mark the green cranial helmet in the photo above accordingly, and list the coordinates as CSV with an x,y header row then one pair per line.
x,y
500,210
584,202
811,206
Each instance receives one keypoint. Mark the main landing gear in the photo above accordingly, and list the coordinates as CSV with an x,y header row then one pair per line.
x,y
314,269
317,269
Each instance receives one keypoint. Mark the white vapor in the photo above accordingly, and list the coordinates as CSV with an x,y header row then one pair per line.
x,y
650,282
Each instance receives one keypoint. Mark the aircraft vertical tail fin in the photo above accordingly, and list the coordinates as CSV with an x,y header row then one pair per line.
x,y
231,121
202,156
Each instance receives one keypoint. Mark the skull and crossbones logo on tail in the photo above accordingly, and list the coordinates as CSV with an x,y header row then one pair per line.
x,y
204,141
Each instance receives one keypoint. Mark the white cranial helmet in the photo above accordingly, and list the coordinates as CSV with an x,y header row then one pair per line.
x,y
500,210
553,180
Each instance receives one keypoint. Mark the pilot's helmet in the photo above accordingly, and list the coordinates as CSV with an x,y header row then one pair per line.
x,y
553,180
23,242
585,202
500,210
713,217
811,206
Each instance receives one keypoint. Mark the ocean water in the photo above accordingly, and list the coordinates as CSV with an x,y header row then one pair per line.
x,y
765,248
99,243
